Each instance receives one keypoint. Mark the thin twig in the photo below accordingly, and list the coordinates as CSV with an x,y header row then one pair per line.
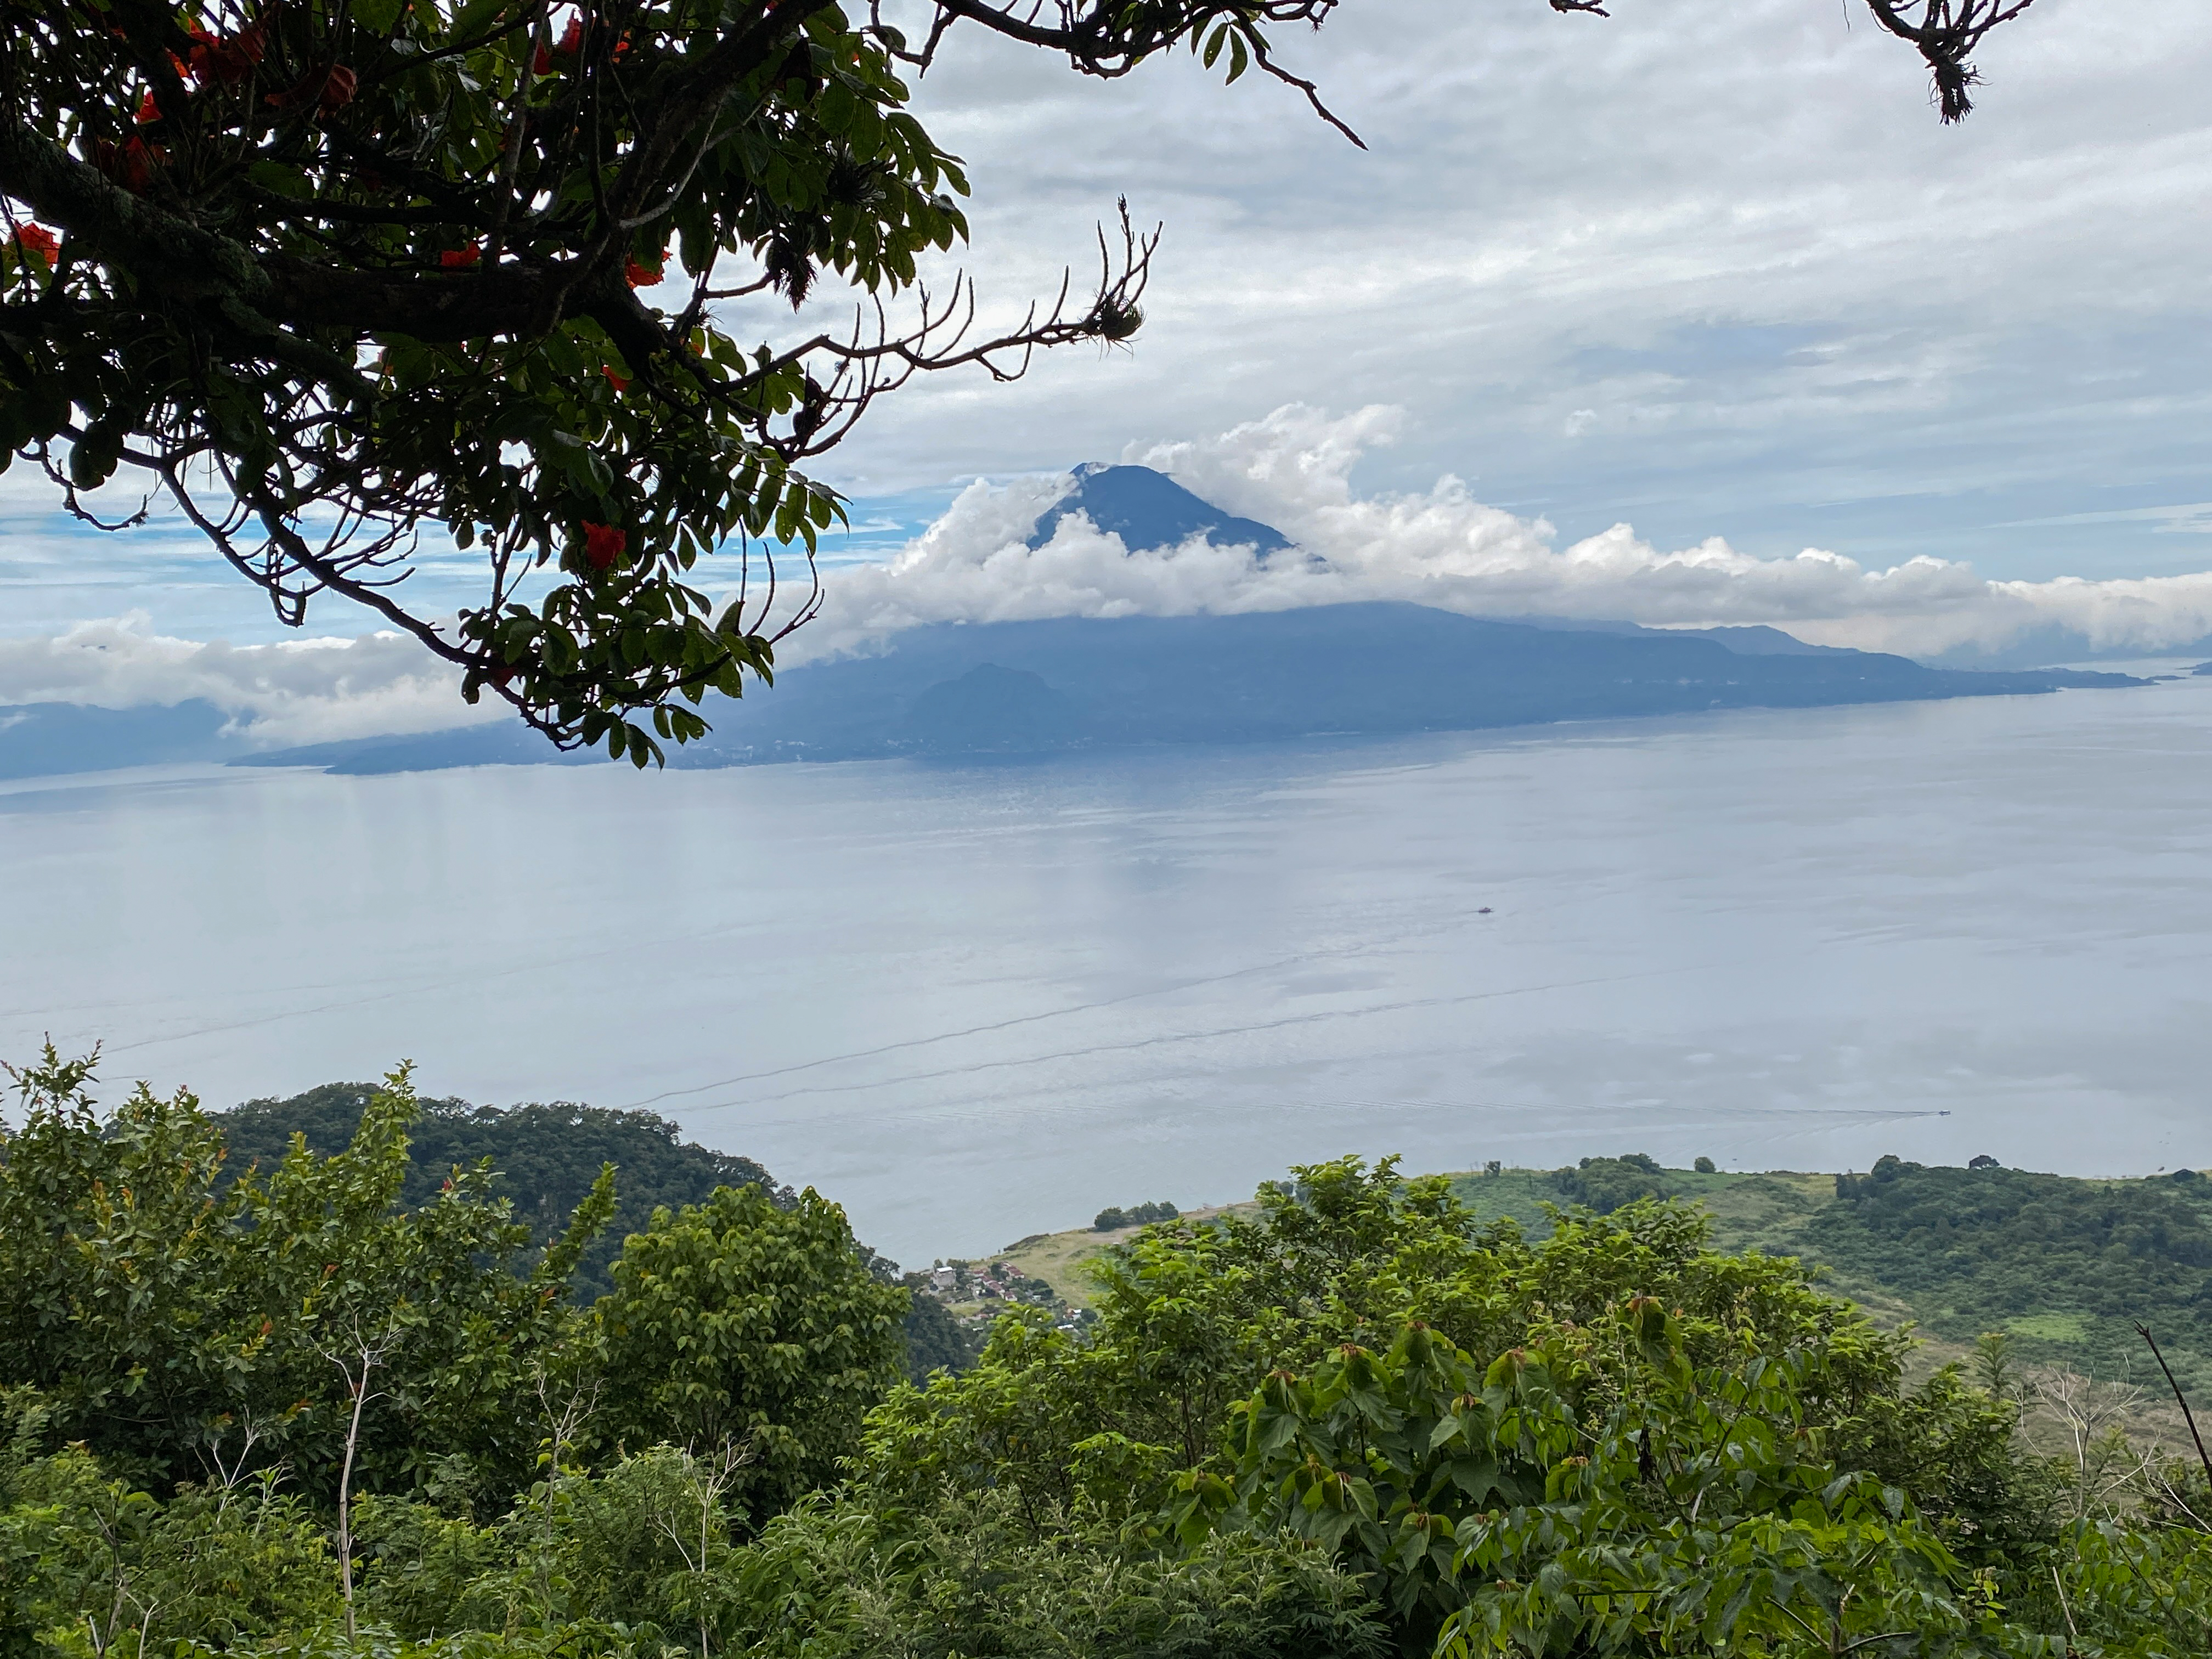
x,y
2180,1399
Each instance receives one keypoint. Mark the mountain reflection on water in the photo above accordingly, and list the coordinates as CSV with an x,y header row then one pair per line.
x,y
976,1001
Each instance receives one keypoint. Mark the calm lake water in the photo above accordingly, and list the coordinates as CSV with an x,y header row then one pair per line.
x,y
973,1002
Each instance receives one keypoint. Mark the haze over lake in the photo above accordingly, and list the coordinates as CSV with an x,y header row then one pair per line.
x,y
976,1001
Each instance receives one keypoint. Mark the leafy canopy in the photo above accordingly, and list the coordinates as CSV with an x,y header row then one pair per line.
x,y
1356,1422
183,1320
545,1158
187,1319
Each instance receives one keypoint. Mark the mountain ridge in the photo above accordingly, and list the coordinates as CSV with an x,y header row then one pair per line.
x,y
1035,686
1372,668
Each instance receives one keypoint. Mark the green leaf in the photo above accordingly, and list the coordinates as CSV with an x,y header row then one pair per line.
x,y
474,18
378,16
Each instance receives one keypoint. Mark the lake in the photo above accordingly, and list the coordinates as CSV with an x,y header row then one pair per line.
x,y
977,1001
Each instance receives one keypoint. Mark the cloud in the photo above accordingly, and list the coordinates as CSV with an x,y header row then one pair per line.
x,y
1443,547
299,691
1294,469
2182,519
1806,310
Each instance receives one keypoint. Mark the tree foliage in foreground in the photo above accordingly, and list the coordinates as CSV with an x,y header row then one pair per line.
x,y
1355,1423
186,1321
545,1158
334,277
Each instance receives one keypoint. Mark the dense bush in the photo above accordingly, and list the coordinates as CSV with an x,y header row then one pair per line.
x,y
1354,1422
187,1325
1604,1184
1139,1215
735,1322
935,1340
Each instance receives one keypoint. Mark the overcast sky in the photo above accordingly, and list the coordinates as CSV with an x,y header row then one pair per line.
x,y
1710,271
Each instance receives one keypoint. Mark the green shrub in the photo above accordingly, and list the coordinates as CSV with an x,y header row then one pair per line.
x,y
1138,1215
1604,1184
737,1323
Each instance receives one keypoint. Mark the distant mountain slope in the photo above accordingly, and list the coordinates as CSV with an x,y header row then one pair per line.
x,y
547,1157
1030,687
40,740
507,743
1148,509
1745,639
1758,640
2052,643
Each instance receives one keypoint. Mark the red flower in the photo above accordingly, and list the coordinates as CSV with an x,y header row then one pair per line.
x,y
572,38
329,90
148,109
213,58
460,259
619,382
131,165
541,61
603,545
37,238
644,275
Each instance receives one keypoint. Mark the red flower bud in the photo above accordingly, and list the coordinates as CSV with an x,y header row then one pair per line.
x,y
229,62
339,88
329,90
37,238
619,382
572,38
541,61
131,165
603,545
148,109
460,258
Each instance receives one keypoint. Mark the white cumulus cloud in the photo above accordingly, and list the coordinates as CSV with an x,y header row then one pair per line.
x,y
298,691
1293,470
1442,546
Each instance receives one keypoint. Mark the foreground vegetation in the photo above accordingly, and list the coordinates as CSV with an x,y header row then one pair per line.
x,y
286,1410
2062,1266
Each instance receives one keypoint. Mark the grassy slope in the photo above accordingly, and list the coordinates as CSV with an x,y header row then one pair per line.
x,y
2068,1313
1764,1211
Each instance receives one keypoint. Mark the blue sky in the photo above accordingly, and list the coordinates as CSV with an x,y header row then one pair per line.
x,y
1714,272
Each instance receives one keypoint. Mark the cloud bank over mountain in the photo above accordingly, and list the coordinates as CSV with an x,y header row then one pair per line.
x,y
1292,470
299,691
1442,546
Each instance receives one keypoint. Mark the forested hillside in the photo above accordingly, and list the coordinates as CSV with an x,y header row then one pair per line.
x,y
544,1158
541,1161
2065,1266
284,1412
